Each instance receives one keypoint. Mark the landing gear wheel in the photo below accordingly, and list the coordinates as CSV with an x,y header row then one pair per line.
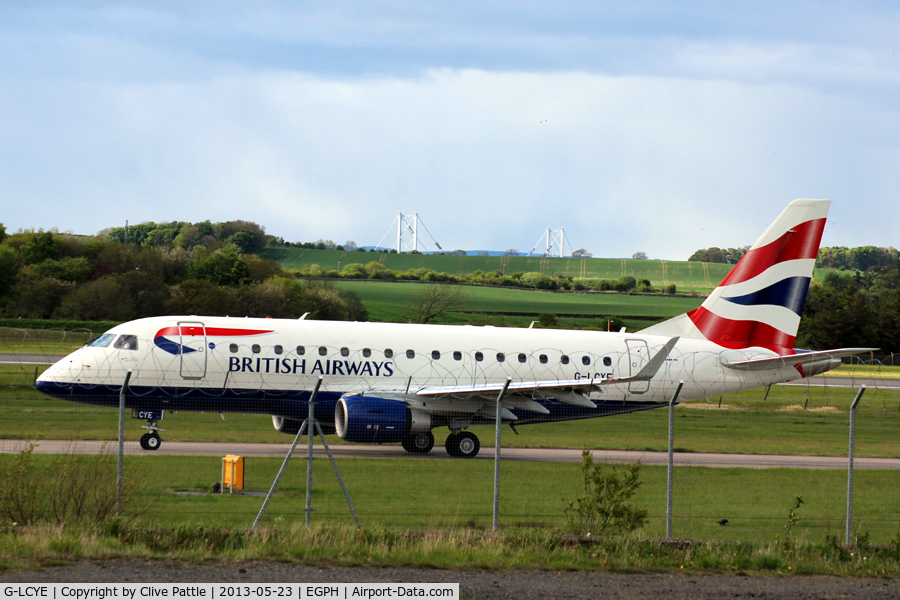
x,y
463,444
418,443
151,441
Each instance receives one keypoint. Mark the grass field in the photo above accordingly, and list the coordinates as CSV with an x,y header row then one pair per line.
x,y
686,276
386,300
451,495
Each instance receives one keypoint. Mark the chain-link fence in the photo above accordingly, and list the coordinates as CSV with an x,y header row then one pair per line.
x,y
741,460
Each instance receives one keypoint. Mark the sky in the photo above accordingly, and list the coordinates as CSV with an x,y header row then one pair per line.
x,y
658,127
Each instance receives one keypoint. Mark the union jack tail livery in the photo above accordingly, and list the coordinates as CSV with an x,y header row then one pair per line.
x,y
759,303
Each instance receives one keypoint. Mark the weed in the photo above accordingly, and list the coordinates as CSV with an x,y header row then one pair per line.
x,y
70,489
603,507
792,520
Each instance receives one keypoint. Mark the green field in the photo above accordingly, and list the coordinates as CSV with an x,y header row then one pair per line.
x,y
687,276
422,495
386,300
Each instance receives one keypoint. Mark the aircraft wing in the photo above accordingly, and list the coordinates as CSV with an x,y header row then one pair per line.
x,y
561,389
759,364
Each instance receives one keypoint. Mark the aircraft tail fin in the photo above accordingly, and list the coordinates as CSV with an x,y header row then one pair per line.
x,y
760,301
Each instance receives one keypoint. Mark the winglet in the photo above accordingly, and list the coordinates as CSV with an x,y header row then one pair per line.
x,y
658,360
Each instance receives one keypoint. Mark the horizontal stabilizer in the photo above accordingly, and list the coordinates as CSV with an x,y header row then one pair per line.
x,y
769,362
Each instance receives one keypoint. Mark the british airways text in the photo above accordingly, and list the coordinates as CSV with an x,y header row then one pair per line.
x,y
294,366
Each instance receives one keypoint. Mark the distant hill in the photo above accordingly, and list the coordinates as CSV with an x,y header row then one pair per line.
x,y
687,276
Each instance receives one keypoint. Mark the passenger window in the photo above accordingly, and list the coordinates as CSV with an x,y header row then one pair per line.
x,y
388,353
479,356
301,350
457,355
410,354
233,348
607,361
279,350
345,351
543,359
323,350
367,353
586,360
435,355
522,357
126,342
564,359
501,357
255,348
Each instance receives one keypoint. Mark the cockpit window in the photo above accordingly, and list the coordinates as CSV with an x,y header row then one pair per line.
x,y
126,342
103,341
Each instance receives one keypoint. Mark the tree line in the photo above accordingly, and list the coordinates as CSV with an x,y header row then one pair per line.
x,y
521,279
46,275
838,257
853,309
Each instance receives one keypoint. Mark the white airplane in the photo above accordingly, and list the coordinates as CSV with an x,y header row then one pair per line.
x,y
387,383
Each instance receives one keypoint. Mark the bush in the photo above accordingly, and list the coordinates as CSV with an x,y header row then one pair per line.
x,y
603,507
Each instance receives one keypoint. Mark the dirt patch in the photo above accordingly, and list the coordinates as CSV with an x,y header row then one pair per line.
x,y
799,408
708,405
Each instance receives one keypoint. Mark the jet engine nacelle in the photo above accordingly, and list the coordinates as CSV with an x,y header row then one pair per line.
x,y
288,426
373,420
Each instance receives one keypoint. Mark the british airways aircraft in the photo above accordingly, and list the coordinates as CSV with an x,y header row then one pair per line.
x,y
388,383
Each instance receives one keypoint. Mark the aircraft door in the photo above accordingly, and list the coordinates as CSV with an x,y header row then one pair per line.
x,y
192,338
638,356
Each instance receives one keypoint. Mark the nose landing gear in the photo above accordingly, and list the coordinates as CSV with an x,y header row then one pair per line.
x,y
151,440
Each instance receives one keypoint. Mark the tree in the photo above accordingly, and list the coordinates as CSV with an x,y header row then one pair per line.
x,y
582,253
511,252
639,256
436,302
9,267
547,320
223,267
104,299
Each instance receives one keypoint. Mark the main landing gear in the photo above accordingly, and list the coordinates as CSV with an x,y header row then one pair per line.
x,y
459,444
462,444
151,440
418,443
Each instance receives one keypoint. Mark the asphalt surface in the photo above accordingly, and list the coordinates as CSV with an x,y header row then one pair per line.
x,y
481,585
681,459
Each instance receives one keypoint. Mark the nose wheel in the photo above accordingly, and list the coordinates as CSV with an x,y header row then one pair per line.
x,y
151,440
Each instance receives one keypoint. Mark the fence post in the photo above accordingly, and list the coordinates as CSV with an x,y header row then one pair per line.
x,y
671,467
499,425
120,476
850,464
305,426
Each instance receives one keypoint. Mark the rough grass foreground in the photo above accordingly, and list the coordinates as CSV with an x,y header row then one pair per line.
x,y
329,545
